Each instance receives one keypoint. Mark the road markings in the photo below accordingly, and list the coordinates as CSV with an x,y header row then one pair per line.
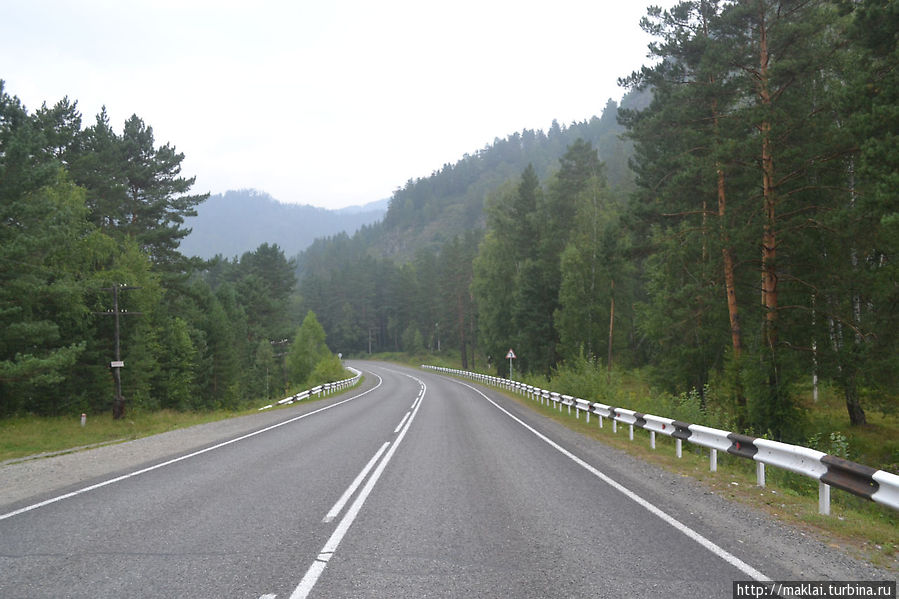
x,y
338,507
719,551
180,459
327,552
402,422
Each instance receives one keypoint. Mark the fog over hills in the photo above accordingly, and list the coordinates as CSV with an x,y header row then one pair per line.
x,y
240,221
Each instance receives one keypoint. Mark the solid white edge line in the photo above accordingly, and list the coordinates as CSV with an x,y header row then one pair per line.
x,y
338,507
180,459
318,566
677,524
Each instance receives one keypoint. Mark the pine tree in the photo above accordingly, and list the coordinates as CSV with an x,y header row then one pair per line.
x,y
135,188
742,133
46,249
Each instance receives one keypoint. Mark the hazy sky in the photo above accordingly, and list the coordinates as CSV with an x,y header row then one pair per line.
x,y
324,102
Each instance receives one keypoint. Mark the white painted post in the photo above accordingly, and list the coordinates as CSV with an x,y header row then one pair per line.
x,y
713,460
679,448
632,432
614,425
823,498
600,421
760,474
83,419
577,412
652,439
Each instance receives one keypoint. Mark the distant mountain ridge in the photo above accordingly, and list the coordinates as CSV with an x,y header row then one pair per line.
x,y
240,221
428,212
369,207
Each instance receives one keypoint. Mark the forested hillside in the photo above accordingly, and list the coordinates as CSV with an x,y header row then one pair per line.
x,y
240,221
751,259
429,212
395,284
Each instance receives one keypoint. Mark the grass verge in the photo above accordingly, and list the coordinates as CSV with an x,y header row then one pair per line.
x,y
25,436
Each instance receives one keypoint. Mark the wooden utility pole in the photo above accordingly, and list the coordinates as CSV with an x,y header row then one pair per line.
x,y
118,404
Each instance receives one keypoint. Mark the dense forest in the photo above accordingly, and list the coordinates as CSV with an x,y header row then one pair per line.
x,y
403,284
91,225
753,249
729,231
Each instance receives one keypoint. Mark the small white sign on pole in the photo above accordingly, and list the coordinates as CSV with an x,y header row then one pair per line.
x,y
511,356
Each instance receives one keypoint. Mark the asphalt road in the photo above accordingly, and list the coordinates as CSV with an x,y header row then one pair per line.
x,y
459,492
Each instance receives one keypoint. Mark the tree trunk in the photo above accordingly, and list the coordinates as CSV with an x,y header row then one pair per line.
x,y
769,233
853,405
730,287
462,340
611,331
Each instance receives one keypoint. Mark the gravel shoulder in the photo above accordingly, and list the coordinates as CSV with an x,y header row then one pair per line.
x,y
33,480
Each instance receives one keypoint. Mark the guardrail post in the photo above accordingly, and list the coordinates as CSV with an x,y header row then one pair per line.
x,y
713,460
632,432
679,448
600,421
760,474
588,416
823,498
652,439
614,425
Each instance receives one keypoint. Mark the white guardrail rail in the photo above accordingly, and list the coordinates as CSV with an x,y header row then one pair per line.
x,y
879,486
320,390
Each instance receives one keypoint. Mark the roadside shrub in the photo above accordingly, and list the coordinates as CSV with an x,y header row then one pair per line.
x,y
327,370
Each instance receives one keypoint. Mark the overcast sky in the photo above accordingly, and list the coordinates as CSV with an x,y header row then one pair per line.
x,y
324,102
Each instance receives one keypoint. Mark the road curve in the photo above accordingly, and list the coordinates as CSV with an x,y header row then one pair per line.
x,y
414,485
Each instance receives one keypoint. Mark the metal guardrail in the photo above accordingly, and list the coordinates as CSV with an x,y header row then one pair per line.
x,y
320,390
879,486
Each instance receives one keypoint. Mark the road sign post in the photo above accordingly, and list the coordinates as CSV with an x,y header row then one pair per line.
x,y
511,355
